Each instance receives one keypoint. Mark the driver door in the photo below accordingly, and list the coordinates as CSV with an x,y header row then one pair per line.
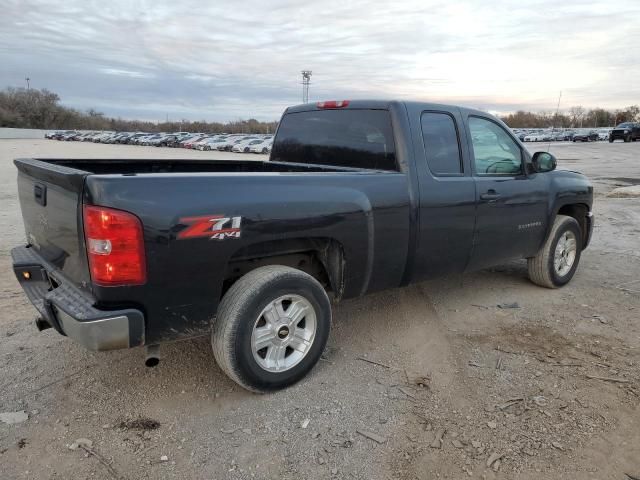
x,y
511,214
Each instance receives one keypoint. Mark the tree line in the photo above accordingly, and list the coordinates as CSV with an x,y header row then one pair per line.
x,y
574,117
33,108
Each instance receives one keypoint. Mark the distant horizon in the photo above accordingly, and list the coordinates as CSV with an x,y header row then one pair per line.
x,y
211,62
248,116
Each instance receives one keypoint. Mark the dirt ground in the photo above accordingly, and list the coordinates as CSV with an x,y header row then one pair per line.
x,y
511,384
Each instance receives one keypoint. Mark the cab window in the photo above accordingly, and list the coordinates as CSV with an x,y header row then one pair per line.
x,y
351,138
495,151
442,149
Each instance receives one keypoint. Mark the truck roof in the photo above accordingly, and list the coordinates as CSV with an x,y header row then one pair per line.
x,y
381,104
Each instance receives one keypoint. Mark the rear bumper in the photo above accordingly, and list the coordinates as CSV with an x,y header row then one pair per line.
x,y
70,310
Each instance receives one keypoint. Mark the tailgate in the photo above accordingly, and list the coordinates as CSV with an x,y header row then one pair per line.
x,y
51,201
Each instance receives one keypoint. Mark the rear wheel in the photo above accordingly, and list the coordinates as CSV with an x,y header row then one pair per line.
x,y
271,328
265,150
557,261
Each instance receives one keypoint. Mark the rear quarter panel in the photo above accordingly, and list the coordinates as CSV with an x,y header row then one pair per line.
x,y
366,212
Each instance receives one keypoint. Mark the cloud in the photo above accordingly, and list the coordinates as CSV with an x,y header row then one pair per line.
x,y
210,60
125,73
200,78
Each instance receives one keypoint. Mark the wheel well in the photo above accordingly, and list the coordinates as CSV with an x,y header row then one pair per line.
x,y
579,212
321,258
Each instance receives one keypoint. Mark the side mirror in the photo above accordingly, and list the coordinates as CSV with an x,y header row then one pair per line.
x,y
543,162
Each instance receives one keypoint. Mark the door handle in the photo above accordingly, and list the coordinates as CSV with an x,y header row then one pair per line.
x,y
490,195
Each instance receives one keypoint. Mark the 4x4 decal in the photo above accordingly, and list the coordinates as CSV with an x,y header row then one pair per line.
x,y
216,227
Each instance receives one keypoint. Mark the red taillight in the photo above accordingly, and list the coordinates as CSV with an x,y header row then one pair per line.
x,y
115,246
333,104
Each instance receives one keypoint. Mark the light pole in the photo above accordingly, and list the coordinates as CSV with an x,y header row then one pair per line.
x,y
306,80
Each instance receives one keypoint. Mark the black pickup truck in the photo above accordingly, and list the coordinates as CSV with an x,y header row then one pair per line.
x,y
357,197
628,132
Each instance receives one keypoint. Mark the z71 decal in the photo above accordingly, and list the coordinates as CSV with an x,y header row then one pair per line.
x,y
216,227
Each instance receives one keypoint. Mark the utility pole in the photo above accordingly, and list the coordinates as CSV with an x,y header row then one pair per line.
x,y
555,118
27,79
306,80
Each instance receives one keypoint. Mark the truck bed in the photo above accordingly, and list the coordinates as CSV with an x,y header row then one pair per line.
x,y
294,207
143,166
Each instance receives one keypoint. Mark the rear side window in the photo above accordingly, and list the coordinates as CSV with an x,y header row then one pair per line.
x,y
342,138
441,144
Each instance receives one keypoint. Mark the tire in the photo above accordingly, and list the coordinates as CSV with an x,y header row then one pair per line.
x,y
264,150
240,314
610,140
627,139
542,267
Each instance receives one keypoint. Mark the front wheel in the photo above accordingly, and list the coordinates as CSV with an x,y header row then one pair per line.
x,y
627,139
557,261
271,327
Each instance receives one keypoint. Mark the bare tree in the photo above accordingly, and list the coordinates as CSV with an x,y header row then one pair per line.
x,y
33,108
576,114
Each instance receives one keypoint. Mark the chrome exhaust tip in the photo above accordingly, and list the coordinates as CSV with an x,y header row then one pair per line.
x,y
152,358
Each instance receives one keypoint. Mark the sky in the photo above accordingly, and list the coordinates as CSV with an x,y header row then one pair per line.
x,y
220,60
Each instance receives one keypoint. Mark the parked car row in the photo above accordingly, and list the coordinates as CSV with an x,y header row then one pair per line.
x,y
241,143
551,135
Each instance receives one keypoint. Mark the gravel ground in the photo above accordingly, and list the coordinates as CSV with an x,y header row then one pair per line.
x,y
461,388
